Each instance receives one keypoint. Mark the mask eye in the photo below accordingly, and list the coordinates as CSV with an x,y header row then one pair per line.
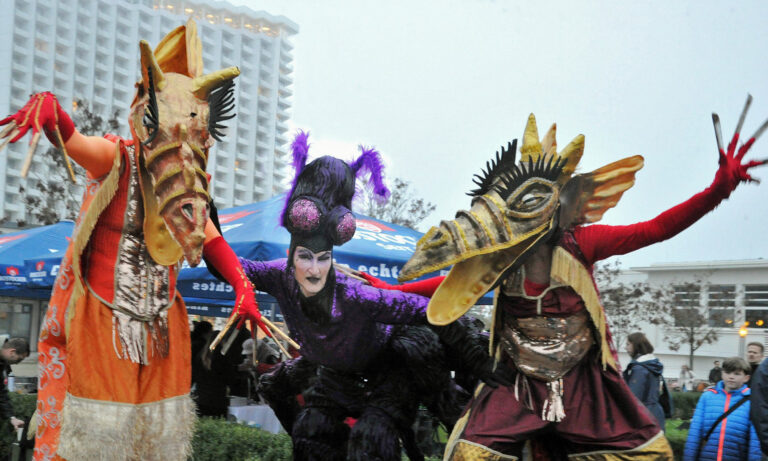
x,y
531,198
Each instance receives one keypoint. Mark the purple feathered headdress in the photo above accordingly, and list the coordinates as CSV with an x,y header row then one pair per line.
x,y
320,199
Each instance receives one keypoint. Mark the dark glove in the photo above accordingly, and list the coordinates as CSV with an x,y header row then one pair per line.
x,y
471,354
502,374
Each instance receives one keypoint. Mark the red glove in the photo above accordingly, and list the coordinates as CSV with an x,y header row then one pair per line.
x,y
220,254
732,171
425,287
42,112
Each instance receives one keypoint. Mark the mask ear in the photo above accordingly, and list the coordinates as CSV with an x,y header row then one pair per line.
x,y
570,201
586,197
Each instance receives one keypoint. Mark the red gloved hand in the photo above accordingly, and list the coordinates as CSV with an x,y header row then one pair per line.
x,y
220,254
426,287
42,112
731,171
376,283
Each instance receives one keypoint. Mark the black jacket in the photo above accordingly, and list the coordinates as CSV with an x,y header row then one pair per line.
x,y
6,409
759,408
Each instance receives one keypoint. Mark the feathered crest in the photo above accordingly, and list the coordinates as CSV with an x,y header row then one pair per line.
x,y
546,167
493,168
221,102
150,120
370,160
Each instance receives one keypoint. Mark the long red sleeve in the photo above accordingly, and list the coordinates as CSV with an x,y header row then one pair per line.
x,y
424,287
601,241
220,255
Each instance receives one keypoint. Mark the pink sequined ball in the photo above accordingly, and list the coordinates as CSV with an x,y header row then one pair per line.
x,y
304,215
345,229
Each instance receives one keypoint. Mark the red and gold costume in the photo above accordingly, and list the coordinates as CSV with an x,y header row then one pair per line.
x,y
114,350
569,396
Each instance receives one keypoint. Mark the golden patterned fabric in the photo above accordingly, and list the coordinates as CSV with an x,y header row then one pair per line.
x,y
467,451
656,449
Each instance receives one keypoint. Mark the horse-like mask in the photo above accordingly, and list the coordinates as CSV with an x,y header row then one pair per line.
x,y
174,119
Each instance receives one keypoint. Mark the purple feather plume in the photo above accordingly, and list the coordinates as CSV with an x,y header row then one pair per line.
x,y
300,150
371,160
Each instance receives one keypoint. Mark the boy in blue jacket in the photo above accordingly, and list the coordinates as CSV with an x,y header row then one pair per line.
x,y
734,438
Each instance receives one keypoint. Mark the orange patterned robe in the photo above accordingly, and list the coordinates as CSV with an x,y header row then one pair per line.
x,y
114,350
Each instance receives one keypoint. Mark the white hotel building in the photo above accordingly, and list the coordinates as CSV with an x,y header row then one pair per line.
x,y
732,294
88,50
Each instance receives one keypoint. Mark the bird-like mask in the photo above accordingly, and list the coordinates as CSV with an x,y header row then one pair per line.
x,y
516,207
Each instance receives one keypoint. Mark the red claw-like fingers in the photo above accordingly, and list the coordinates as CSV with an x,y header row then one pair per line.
x,y
731,170
42,113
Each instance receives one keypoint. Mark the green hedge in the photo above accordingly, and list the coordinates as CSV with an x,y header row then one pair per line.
x,y
217,439
23,406
685,403
676,436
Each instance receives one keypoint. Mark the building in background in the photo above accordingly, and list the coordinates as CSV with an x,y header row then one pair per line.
x,y
731,293
88,50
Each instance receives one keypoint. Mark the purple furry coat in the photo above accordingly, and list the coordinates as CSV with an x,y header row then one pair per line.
x,y
354,336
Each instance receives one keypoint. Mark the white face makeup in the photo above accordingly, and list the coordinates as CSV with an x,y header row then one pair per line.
x,y
311,269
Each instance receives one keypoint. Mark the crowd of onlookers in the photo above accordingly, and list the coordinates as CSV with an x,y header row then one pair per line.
x,y
731,417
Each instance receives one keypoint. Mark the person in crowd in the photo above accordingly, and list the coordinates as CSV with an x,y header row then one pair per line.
x,y
114,347
14,350
525,236
372,348
755,353
257,362
716,373
721,428
644,374
686,379
759,405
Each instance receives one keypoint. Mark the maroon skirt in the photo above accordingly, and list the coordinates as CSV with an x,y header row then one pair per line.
x,y
601,413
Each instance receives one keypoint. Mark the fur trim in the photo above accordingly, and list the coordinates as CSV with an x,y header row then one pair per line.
x,y
374,436
319,436
99,430
567,270
82,234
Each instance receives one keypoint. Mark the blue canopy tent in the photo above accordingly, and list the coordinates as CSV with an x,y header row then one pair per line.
x,y
35,251
30,259
254,232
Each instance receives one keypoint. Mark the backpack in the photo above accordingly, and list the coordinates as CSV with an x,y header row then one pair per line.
x,y
665,400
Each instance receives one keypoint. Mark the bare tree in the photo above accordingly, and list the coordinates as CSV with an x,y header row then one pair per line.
x,y
630,306
49,194
696,319
402,207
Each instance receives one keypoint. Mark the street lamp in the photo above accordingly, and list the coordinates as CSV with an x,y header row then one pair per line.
x,y
742,339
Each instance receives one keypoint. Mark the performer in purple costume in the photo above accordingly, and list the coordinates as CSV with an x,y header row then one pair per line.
x,y
365,342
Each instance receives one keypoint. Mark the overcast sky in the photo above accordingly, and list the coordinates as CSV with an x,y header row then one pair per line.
x,y
438,86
